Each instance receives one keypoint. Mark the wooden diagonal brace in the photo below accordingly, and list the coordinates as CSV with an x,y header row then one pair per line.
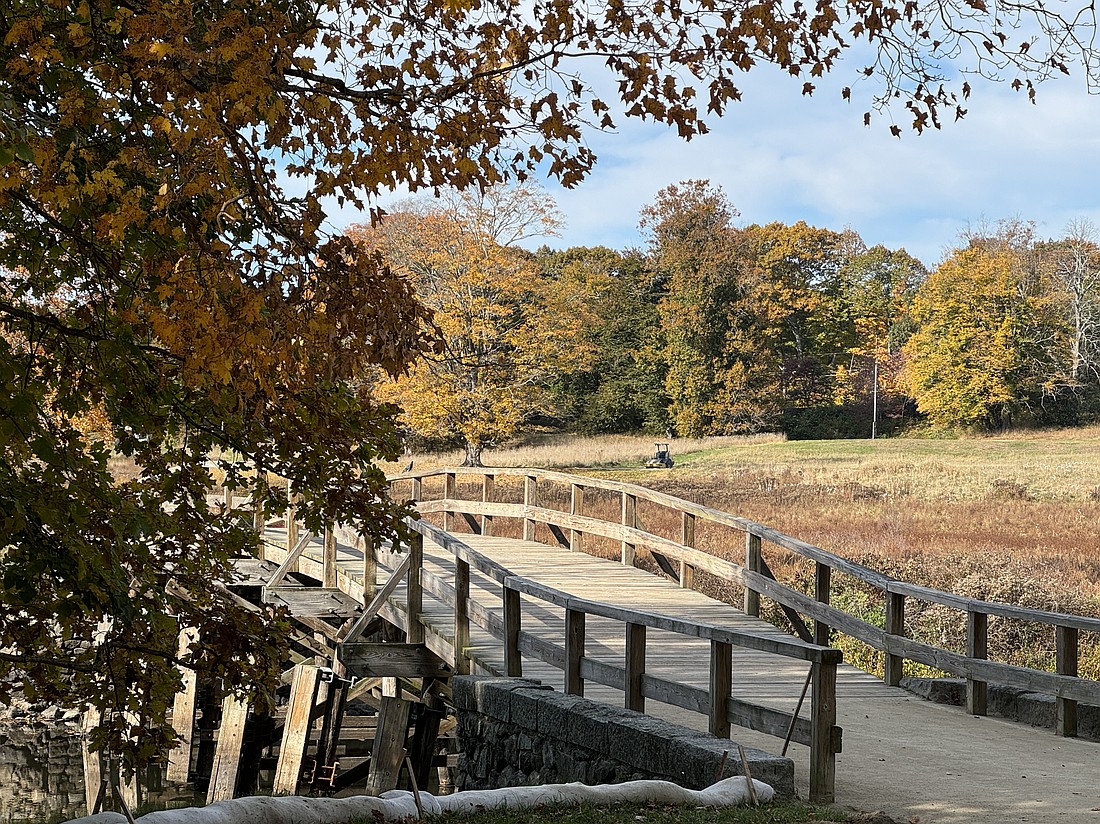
x,y
380,598
291,559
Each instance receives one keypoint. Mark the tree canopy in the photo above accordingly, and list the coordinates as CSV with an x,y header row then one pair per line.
x,y
165,267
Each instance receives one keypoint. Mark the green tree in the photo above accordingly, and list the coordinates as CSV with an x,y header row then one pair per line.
x,y
621,387
691,244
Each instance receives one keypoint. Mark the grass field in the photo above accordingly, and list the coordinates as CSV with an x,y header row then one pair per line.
x,y
1013,519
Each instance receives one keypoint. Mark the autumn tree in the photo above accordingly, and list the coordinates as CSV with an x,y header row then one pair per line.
x,y
977,352
154,266
506,331
620,387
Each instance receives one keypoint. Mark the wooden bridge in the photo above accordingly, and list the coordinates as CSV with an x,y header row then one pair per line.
x,y
603,589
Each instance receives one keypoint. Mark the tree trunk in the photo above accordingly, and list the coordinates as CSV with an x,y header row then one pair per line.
x,y
473,454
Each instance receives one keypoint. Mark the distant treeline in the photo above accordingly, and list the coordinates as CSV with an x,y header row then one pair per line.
x,y
716,329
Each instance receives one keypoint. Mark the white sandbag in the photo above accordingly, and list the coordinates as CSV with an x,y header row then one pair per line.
x,y
399,805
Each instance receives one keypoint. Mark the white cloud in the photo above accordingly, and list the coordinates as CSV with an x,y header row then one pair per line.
x,y
784,157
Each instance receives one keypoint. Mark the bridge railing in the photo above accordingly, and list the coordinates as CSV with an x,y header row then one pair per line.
x,y
819,732
569,528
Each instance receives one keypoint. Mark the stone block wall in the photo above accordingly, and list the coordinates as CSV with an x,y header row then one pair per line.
x,y
515,732
41,772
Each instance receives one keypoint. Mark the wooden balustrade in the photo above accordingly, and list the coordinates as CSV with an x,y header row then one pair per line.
x,y
1067,687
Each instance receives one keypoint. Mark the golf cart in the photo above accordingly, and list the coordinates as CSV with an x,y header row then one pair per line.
x,y
661,459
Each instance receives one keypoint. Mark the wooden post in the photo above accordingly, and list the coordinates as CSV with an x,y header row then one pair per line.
x,y
822,584
448,496
977,646
414,593
530,499
721,685
329,575
291,519
574,651
822,721
462,617
417,490
635,667
576,507
487,496
629,521
183,716
258,506
512,664
299,715
93,761
895,625
687,538
753,555
370,569
1065,640
227,756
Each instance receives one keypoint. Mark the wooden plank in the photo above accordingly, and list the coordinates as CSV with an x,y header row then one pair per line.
x,y
227,755
530,500
183,716
299,720
895,625
462,618
753,563
823,575
371,660
389,745
576,507
823,720
629,522
329,558
574,651
487,496
414,594
512,614
687,538
448,494
721,684
314,602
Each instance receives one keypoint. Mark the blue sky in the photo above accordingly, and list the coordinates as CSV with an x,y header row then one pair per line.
x,y
781,156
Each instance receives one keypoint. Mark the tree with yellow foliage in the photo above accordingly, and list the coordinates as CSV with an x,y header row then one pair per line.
x,y
505,330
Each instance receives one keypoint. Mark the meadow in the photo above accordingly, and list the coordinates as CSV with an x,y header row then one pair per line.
x,y
1014,519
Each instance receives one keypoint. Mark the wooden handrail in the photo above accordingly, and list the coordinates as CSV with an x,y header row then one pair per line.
x,y
1065,685
820,732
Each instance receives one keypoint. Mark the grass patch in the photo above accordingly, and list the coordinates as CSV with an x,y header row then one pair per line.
x,y
650,814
